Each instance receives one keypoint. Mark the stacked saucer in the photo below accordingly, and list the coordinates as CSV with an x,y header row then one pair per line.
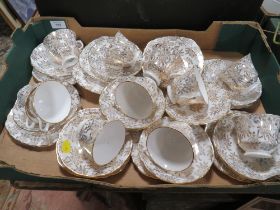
x,y
238,79
55,57
173,152
91,146
40,112
106,59
167,57
247,146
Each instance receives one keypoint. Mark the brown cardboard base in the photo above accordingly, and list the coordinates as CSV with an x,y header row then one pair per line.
x,y
43,163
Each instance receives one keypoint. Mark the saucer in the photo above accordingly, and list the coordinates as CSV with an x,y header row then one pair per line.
x,y
214,67
93,56
30,138
40,77
226,146
222,167
218,106
138,162
19,114
71,153
41,61
135,156
202,161
108,108
86,81
161,52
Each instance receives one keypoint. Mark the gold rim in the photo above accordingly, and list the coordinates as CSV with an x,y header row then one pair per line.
x,y
187,140
127,136
224,160
116,105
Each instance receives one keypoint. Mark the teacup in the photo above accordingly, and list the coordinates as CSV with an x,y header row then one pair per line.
x,y
134,100
103,140
257,134
170,149
241,75
188,90
49,103
120,56
180,65
63,47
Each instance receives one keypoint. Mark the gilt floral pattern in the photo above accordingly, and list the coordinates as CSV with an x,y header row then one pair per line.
x,y
227,148
86,81
41,61
213,70
33,137
76,161
202,147
40,77
108,58
162,52
217,107
108,108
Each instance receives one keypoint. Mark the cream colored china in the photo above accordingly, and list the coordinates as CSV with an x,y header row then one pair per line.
x,y
221,166
167,57
50,104
40,77
199,114
138,162
41,62
257,134
238,97
69,150
107,101
187,89
30,138
105,141
113,57
226,146
170,149
52,101
202,149
32,119
86,81
21,111
134,100
241,75
63,47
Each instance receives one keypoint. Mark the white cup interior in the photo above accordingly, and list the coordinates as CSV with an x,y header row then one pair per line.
x,y
52,102
108,142
134,100
170,149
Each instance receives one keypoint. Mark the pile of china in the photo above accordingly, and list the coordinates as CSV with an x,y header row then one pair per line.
x,y
152,107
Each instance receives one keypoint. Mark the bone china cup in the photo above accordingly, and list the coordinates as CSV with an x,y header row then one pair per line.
x,y
241,75
52,102
106,141
187,89
134,100
63,46
170,149
257,134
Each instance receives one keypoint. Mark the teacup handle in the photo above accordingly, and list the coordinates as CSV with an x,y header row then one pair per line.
x,y
250,88
29,123
201,85
69,61
41,125
80,44
170,94
153,75
257,154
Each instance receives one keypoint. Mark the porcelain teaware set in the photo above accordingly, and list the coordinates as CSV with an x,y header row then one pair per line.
x,y
152,105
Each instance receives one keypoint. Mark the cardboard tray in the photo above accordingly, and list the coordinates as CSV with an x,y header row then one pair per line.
x,y
229,40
